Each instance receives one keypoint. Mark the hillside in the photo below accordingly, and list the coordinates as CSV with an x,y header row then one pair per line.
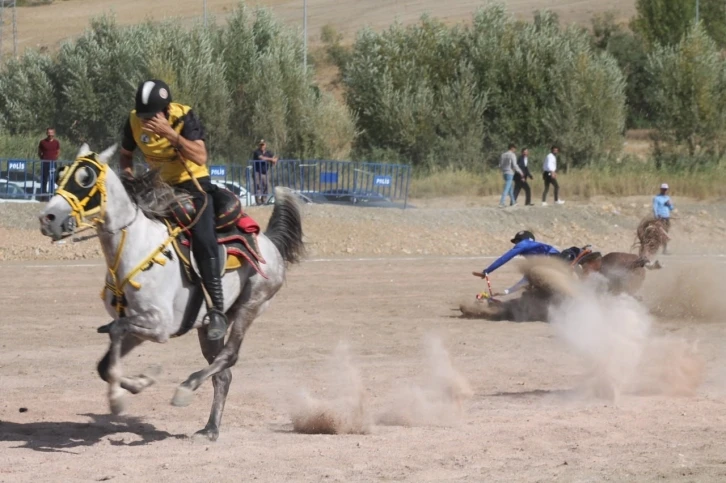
x,y
45,26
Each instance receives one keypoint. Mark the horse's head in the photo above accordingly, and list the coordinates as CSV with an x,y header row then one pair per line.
x,y
81,194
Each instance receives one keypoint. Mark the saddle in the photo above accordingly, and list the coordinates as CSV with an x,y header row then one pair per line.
x,y
236,234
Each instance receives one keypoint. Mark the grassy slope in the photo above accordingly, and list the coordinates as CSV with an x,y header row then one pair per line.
x,y
47,25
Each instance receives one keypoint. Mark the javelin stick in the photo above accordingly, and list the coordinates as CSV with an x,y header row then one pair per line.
x,y
480,296
489,284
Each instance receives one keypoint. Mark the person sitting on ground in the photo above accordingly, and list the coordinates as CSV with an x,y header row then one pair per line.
x,y
525,245
662,207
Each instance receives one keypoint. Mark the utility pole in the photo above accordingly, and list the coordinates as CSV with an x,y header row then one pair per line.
x,y
15,31
2,23
205,13
697,11
305,35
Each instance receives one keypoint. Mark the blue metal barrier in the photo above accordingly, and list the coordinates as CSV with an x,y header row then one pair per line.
x,y
28,179
318,180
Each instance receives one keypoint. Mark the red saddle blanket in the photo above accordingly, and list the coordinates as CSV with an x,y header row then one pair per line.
x,y
240,241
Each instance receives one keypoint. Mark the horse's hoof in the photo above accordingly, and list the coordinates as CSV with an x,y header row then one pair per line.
x,y
117,405
206,435
182,397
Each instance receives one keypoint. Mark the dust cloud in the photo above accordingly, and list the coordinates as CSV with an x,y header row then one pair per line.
x,y
347,409
614,336
438,400
695,292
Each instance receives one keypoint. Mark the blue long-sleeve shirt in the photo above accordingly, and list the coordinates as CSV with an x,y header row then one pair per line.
x,y
662,206
525,248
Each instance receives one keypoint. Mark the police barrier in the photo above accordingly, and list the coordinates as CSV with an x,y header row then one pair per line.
x,y
320,181
254,182
28,179
329,181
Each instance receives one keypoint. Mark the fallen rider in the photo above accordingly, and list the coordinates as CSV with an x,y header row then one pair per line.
x,y
526,246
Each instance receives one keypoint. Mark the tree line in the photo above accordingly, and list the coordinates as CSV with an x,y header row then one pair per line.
x,y
430,94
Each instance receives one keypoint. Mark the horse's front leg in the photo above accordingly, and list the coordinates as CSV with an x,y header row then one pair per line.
x,y
221,381
133,384
143,326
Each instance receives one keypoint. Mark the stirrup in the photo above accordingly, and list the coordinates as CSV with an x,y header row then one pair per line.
x,y
217,327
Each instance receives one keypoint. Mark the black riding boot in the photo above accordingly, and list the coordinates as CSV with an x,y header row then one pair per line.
x,y
210,270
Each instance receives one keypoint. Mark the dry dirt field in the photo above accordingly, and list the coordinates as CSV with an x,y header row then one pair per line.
x,y
70,17
440,398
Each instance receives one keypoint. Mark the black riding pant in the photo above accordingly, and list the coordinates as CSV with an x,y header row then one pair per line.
x,y
204,237
549,180
519,185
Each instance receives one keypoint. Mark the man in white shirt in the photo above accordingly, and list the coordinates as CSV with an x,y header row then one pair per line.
x,y
549,175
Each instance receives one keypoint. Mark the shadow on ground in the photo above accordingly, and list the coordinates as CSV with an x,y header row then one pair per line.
x,y
49,436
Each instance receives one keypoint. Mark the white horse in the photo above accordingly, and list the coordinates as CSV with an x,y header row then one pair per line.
x,y
146,296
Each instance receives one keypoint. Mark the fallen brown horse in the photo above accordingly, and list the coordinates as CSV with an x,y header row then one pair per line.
x,y
625,272
552,280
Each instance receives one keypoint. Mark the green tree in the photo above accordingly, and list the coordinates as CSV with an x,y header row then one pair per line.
x,y
458,95
688,92
245,80
630,51
667,21
27,95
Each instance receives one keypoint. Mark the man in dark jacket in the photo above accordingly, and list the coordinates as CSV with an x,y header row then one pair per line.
x,y
520,181
261,157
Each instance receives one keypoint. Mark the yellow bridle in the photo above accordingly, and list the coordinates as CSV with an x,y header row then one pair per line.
x,y
78,206
97,216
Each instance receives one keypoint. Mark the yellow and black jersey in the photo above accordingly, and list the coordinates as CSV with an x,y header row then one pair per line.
x,y
159,152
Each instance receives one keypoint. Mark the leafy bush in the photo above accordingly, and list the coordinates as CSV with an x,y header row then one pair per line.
x,y
245,80
688,92
456,96
665,22
630,51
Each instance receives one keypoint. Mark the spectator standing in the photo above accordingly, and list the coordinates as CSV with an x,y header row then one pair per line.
x,y
508,166
261,158
48,153
520,180
549,175
662,207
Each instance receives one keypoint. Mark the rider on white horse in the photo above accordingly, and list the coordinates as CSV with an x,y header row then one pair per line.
x,y
525,245
171,138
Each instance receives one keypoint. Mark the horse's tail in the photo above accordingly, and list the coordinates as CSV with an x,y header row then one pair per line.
x,y
285,227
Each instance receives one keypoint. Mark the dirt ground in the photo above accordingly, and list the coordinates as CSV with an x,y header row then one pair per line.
x,y
523,414
70,17
435,227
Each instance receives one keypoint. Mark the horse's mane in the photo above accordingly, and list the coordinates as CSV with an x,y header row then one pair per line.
x,y
151,194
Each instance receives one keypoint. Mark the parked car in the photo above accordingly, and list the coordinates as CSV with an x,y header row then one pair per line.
x,y
28,183
239,191
11,191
